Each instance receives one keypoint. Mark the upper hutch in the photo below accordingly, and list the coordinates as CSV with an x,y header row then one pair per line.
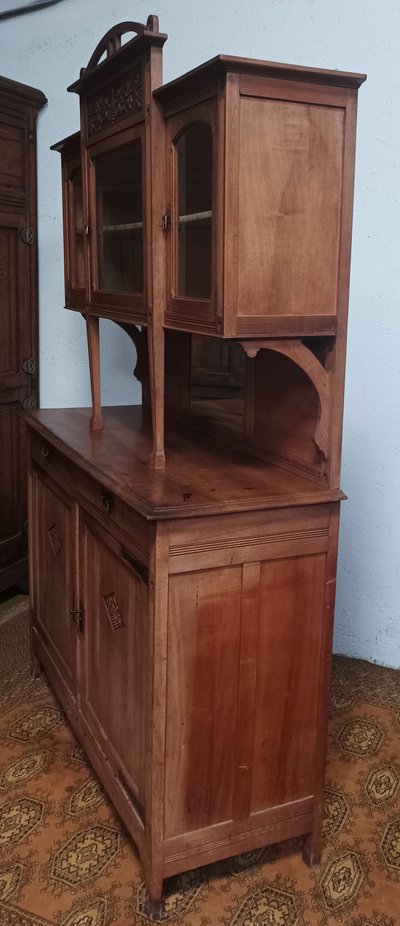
x,y
211,219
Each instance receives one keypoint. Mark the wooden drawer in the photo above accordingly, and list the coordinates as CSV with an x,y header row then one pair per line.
x,y
228,540
114,514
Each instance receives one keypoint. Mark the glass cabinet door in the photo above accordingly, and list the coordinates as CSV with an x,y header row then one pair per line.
x,y
119,219
194,169
77,265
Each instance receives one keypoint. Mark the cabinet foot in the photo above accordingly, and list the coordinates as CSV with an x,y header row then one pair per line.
x,y
36,668
158,459
153,909
96,423
312,849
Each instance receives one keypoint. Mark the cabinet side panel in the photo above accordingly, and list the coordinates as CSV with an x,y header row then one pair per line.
x,y
202,691
290,180
289,650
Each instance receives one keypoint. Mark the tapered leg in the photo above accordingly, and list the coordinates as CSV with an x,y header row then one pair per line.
x,y
156,369
35,666
312,845
93,338
153,909
153,905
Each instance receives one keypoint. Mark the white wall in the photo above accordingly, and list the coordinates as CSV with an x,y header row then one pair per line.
x,y
48,48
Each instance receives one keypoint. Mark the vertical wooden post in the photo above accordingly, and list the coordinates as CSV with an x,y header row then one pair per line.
x,y
156,369
155,206
93,338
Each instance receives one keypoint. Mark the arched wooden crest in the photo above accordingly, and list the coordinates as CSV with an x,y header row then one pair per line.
x,y
309,363
111,41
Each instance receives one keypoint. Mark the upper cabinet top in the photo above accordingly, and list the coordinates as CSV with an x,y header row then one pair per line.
x,y
221,65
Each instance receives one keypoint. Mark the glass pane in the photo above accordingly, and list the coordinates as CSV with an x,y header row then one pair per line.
x,y
120,219
194,155
78,270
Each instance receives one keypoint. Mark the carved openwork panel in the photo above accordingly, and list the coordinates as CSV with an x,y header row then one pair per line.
x,y
123,99
55,539
113,612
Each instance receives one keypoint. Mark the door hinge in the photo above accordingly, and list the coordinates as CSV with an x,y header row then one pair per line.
x,y
27,235
29,366
30,402
76,615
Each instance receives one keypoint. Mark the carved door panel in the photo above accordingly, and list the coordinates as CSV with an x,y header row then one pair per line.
x,y
53,539
18,314
115,663
16,387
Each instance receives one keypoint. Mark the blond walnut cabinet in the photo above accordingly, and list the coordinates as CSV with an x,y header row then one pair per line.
x,y
183,572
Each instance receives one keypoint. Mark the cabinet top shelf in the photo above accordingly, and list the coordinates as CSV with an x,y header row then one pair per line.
x,y
200,479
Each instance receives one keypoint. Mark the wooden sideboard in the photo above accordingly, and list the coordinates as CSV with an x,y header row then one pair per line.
x,y
184,619
183,553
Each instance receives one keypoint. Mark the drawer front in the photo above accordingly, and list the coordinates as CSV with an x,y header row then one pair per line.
x,y
248,538
94,497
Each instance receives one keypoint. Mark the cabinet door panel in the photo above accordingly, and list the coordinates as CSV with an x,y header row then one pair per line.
x,y
192,153
117,206
53,531
288,660
115,656
203,661
290,188
15,387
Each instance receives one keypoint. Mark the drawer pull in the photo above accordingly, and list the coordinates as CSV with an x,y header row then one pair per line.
x,y
45,451
107,501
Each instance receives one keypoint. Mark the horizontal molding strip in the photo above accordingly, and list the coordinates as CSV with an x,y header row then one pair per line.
x,y
211,546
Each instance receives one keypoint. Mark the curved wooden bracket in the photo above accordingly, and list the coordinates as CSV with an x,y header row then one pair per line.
x,y
111,41
139,338
321,379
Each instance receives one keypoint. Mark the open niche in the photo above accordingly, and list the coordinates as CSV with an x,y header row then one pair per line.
x,y
270,397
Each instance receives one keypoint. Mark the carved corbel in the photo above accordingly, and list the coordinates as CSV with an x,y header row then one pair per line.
x,y
307,361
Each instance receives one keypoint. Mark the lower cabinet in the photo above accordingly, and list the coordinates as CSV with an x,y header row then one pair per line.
x,y
192,658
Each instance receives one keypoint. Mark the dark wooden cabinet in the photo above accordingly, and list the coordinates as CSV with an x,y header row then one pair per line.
x,y
215,230
19,106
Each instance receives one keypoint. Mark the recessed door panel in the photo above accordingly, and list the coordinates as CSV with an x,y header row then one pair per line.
x,y
53,533
115,663
290,190
288,679
202,690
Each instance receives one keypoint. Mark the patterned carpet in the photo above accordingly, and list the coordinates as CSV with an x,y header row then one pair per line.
x,y
66,859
